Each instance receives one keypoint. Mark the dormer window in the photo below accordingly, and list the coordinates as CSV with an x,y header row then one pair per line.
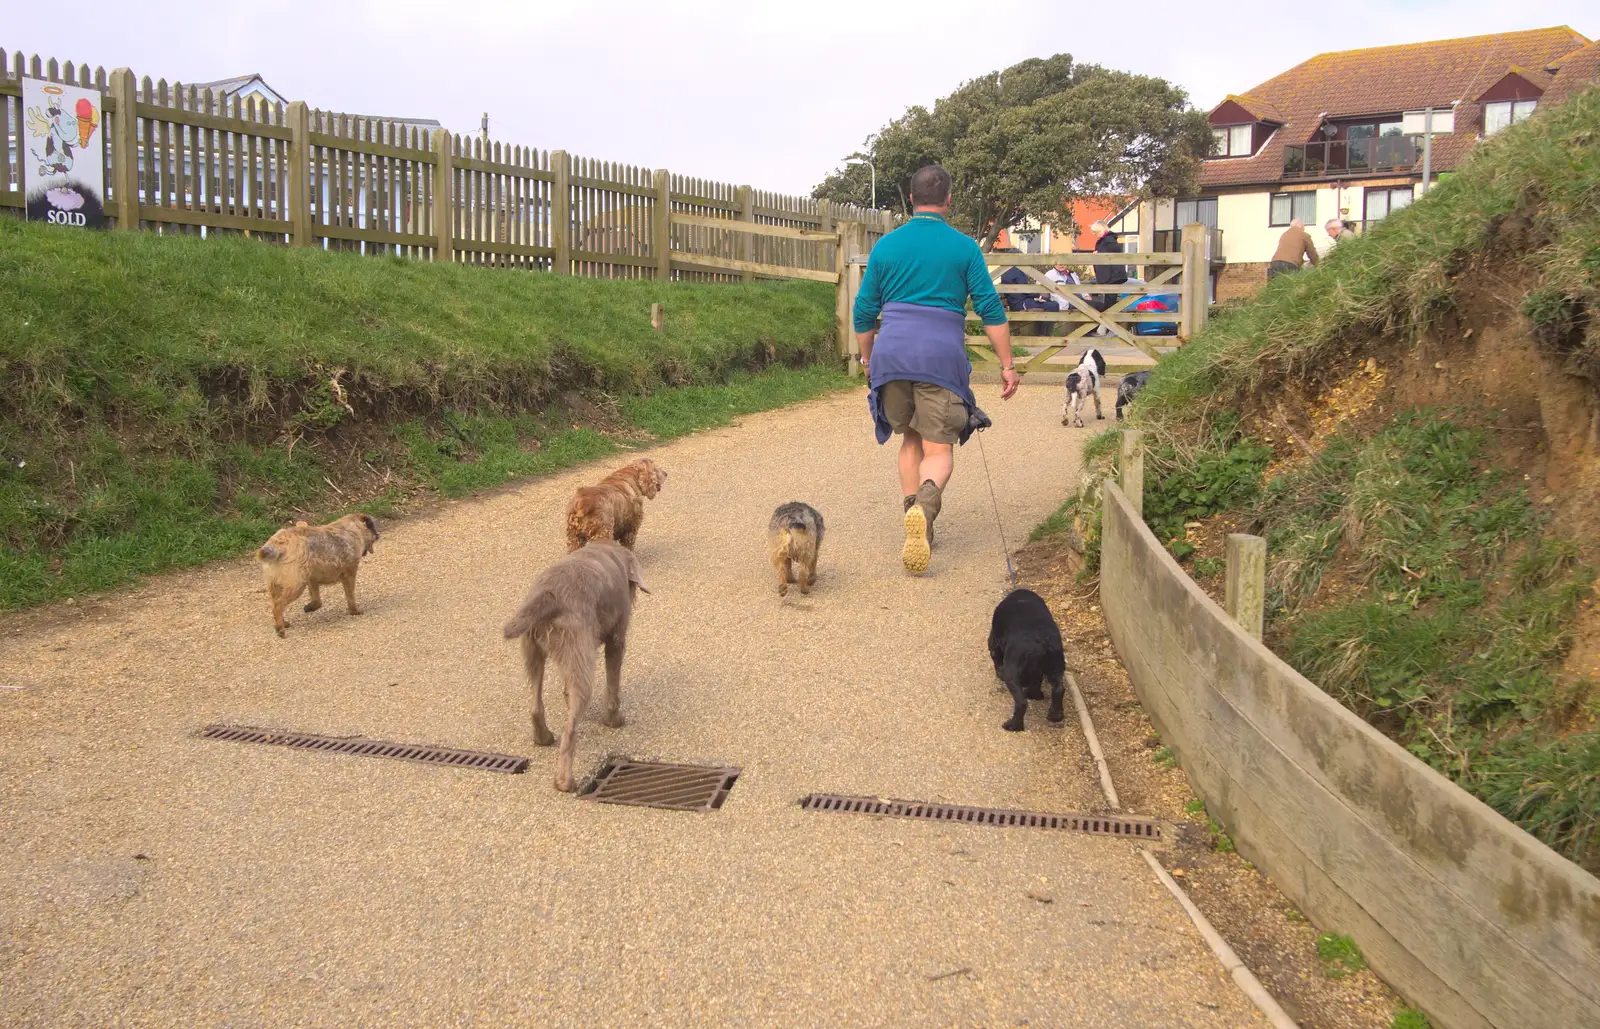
x,y
1233,141
1498,115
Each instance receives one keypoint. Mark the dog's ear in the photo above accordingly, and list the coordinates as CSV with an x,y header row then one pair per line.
x,y
635,571
371,525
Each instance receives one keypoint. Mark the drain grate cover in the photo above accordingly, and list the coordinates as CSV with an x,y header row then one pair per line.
x,y
475,759
653,784
1096,825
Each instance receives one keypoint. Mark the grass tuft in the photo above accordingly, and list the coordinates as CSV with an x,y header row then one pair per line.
x,y
1339,955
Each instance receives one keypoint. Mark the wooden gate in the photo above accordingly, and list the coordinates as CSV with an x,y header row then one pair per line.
x,y
1182,274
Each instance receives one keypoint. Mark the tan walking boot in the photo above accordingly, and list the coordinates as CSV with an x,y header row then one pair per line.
x,y
920,513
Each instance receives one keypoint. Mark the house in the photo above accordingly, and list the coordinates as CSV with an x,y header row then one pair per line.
x,y
252,88
1030,237
1348,134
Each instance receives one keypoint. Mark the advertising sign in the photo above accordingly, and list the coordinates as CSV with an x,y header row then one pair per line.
x,y
63,163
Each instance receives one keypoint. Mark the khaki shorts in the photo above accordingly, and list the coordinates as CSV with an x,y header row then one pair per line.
x,y
932,412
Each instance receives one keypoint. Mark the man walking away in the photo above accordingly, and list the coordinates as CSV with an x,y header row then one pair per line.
x,y
1294,244
1337,232
1106,274
919,278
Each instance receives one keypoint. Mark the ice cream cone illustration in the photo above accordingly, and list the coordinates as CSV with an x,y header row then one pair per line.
x,y
88,118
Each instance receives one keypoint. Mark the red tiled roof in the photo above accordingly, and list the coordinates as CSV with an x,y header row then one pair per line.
x,y
1256,107
1389,80
1574,73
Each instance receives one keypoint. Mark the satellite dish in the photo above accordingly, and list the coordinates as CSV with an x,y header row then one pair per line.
x,y
1329,129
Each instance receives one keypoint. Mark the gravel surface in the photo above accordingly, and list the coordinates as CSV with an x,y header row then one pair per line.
x,y
148,878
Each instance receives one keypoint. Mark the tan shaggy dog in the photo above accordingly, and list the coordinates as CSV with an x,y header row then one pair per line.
x,y
309,557
794,535
582,602
614,509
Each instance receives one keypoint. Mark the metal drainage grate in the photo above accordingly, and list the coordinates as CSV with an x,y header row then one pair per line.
x,y
475,759
1097,825
653,784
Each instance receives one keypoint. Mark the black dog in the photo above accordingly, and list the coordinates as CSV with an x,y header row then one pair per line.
x,y
1026,647
1129,388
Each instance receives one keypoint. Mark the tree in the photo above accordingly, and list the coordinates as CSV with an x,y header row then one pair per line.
x,y
1027,141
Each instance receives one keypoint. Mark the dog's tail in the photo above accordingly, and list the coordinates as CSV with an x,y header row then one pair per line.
x,y
270,552
538,610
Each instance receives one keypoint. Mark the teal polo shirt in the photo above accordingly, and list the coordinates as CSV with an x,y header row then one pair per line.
x,y
927,262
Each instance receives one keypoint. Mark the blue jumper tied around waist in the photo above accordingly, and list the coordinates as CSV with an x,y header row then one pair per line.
x,y
922,344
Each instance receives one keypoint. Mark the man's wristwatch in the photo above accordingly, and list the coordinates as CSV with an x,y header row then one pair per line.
x,y
1008,367
861,361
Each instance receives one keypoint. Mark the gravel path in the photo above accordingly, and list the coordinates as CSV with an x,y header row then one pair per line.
x,y
148,878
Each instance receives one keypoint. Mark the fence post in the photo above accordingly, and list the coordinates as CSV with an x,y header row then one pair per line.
x,y
1245,583
661,225
658,316
444,201
299,174
125,148
1132,465
852,243
561,212
745,249
1196,281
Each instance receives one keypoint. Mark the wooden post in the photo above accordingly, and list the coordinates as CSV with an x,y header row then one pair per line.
x,y
444,204
658,316
1245,585
1196,281
1132,465
299,175
852,244
561,212
744,249
661,226
125,149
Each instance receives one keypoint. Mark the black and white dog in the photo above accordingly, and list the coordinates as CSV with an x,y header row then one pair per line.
x,y
1025,645
1129,388
1083,382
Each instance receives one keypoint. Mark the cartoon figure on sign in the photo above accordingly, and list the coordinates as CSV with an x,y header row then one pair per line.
x,y
60,133
66,174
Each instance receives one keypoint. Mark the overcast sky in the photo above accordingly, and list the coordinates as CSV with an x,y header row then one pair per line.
x,y
744,92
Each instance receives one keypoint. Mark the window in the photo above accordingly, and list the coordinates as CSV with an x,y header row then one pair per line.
x,y
1380,202
1374,130
1200,209
1233,141
1497,116
1288,206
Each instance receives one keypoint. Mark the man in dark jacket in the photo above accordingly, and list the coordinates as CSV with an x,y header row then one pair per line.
x,y
1106,242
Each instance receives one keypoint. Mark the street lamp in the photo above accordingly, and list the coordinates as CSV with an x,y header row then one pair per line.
x,y
860,158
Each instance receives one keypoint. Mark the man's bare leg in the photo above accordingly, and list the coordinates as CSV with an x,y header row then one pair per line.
x,y
911,456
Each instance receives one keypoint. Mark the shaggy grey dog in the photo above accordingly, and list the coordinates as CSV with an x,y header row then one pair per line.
x,y
580,603
1129,388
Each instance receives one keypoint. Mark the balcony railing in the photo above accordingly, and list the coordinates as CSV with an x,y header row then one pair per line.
x,y
1336,157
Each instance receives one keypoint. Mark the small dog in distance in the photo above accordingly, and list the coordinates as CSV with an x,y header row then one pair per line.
x,y
794,535
1083,382
613,509
1025,645
581,603
309,557
1129,388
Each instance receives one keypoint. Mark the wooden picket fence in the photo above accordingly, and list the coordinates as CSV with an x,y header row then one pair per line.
x,y
183,160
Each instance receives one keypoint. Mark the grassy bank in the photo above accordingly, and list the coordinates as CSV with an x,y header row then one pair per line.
x,y
1411,575
169,400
